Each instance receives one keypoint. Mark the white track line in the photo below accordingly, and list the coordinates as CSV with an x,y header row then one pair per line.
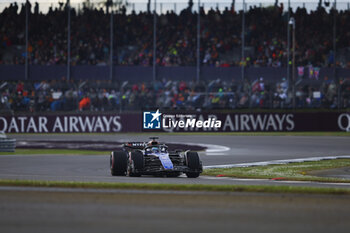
x,y
286,161
271,181
211,148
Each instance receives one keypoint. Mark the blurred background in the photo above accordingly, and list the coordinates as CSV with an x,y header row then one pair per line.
x,y
115,55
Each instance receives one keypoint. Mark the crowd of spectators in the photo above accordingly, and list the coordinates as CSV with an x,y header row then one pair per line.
x,y
104,96
266,30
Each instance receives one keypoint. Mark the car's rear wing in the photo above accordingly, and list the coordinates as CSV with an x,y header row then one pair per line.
x,y
135,145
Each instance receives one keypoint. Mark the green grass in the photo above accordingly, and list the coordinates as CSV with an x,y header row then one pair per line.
x,y
178,187
54,152
293,171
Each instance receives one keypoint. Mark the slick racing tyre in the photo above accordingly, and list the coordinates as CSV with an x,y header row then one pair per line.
x,y
135,163
118,163
193,163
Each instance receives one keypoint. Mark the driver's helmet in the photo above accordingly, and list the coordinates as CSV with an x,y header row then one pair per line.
x,y
155,149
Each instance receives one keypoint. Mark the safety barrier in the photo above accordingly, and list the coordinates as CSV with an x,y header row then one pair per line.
x,y
164,121
137,73
7,144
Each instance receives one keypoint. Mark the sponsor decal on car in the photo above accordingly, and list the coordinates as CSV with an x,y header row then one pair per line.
x,y
165,160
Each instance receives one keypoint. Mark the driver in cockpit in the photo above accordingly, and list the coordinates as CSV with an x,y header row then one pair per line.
x,y
155,150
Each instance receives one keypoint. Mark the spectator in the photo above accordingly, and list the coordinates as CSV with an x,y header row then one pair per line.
x,y
106,96
84,104
176,44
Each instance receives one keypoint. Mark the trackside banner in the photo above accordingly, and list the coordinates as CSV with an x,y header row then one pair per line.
x,y
158,121
68,123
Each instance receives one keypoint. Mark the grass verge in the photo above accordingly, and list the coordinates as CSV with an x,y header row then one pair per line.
x,y
179,187
54,152
292,171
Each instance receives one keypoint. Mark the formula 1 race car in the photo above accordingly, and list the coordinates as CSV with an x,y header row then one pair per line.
x,y
153,158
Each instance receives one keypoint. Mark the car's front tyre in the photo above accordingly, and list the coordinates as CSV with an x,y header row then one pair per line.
x,y
193,163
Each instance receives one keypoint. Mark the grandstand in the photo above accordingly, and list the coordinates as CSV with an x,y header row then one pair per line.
x,y
232,55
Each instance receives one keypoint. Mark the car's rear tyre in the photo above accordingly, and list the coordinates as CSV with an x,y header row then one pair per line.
x,y
118,163
136,163
193,163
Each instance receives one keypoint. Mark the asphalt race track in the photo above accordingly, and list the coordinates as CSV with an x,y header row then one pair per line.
x,y
241,149
223,149
30,209
84,210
